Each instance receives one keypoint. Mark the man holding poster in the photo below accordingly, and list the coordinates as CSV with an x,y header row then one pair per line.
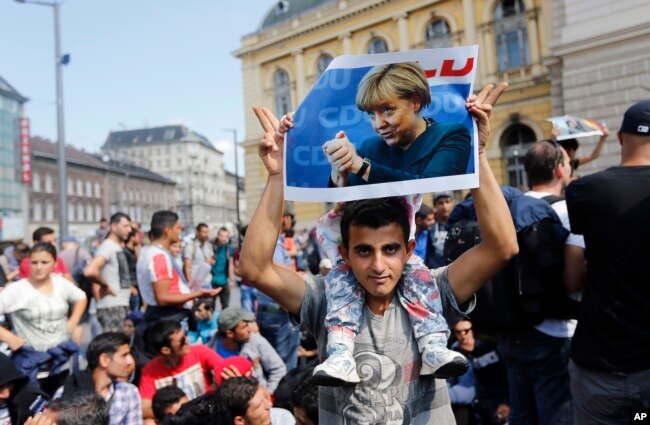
x,y
391,389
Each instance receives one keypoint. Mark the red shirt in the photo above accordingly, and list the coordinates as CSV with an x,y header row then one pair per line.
x,y
193,374
25,271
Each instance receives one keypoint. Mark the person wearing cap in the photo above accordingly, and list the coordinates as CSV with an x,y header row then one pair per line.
x,y
609,369
19,398
235,338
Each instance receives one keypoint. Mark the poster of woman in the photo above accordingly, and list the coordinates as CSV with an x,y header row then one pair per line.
x,y
385,125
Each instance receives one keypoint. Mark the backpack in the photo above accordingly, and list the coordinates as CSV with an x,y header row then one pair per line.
x,y
529,288
82,281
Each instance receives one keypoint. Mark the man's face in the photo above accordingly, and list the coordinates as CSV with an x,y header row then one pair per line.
x,y
174,232
377,258
129,328
423,223
203,234
223,237
566,168
443,206
465,335
396,121
179,346
259,408
121,363
241,333
121,229
51,239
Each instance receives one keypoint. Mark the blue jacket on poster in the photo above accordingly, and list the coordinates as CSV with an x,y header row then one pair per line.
x,y
444,149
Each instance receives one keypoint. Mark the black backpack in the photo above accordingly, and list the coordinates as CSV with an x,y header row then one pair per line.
x,y
530,288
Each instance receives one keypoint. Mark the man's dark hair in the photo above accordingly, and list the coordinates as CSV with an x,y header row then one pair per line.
x,y
82,408
306,396
223,229
235,393
163,398
201,226
40,232
208,303
160,221
117,217
108,342
204,410
540,161
158,334
424,211
103,220
569,144
374,213
43,246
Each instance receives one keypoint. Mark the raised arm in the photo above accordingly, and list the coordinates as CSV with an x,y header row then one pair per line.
x,y
282,284
597,150
499,244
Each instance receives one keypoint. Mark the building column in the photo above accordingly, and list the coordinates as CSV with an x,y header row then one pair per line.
x,y
470,22
347,43
300,75
488,56
534,43
402,31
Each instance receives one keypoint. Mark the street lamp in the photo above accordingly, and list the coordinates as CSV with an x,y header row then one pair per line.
x,y
234,140
59,60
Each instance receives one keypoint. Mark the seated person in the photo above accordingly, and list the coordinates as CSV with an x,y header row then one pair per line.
x,y
206,321
167,401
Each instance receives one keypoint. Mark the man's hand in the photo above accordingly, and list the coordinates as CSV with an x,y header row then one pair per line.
x,y
39,419
209,292
342,156
480,106
232,372
271,144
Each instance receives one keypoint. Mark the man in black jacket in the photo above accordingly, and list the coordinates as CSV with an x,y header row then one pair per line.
x,y
19,398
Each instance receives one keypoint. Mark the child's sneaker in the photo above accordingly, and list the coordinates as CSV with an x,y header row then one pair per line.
x,y
338,370
442,363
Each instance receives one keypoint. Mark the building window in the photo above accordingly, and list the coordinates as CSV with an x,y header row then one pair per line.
x,y
89,213
323,62
511,34
37,211
98,192
80,212
89,189
377,45
36,182
70,186
437,34
282,90
80,188
516,140
48,183
71,212
98,213
49,211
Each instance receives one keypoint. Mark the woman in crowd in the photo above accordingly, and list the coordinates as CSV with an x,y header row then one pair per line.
x,y
38,307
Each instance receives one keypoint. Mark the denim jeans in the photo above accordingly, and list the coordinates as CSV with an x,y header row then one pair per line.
x,y
248,298
276,328
538,376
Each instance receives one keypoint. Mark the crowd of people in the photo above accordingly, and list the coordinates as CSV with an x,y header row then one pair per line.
x,y
508,307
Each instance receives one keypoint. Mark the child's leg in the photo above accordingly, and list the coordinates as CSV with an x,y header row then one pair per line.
x,y
345,299
419,295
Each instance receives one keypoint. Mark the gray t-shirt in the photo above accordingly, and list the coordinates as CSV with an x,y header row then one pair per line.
x,y
388,361
116,274
199,254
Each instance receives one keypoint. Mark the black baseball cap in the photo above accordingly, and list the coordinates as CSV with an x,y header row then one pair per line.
x,y
636,119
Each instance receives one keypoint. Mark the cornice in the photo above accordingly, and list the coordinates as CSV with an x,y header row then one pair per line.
x,y
599,40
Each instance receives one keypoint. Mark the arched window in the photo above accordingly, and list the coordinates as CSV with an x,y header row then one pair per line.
x,y
516,140
323,61
437,34
282,90
511,34
377,45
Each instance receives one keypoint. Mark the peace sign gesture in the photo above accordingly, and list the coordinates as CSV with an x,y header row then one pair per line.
x,y
270,146
481,107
